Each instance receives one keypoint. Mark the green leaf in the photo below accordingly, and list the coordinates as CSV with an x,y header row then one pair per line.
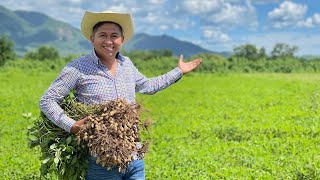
x,y
69,139
46,160
56,160
83,174
64,148
32,138
74,160
53,146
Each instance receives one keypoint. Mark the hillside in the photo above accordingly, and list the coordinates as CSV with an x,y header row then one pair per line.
x,y
144,41
30,30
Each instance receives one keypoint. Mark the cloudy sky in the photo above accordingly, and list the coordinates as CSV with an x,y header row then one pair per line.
x,y
218,25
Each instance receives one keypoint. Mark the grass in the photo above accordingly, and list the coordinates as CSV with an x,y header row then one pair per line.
x,y
237,126
229,126
19,94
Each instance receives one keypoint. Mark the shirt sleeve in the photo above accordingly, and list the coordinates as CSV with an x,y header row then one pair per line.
x,y
60,88
146,85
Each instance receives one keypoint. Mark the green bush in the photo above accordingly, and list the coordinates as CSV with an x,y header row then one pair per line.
x,y
43,53
6,50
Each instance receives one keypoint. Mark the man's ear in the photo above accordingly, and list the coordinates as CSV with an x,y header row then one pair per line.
x,y
91,38
122,39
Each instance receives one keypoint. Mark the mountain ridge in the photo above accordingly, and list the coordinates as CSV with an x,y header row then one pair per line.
x,y
29,30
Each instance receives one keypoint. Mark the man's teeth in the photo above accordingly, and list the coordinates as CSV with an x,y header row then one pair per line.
x,y
109,48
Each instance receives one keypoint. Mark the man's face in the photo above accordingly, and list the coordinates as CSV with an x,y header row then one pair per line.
x,y
107,40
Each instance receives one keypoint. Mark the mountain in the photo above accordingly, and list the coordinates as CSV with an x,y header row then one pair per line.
x,y
144,41
29,30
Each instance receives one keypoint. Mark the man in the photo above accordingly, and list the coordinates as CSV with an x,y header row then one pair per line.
x,y
105,75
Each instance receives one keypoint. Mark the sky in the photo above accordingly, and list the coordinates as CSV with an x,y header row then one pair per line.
x,y
217,25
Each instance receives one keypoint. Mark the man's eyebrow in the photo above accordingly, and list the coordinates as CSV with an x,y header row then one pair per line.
x,y
102,32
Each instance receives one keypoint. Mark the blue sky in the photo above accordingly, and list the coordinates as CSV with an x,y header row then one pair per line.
x,y
217,25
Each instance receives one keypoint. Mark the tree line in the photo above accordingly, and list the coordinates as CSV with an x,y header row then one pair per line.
x,y
251,52
244,58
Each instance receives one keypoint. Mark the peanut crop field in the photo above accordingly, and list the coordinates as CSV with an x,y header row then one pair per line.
x,y
206,126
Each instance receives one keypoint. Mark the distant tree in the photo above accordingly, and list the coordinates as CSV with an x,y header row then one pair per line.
x,y
247,51
262,53
43,53
6,50
282,50
162,53
70,57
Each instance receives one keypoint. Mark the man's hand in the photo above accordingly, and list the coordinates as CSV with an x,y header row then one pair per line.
x,y
186,67
77,125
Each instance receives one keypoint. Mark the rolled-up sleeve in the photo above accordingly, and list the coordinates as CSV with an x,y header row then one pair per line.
x,y
60,88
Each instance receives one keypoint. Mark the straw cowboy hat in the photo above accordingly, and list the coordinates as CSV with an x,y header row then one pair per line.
x,y
92,18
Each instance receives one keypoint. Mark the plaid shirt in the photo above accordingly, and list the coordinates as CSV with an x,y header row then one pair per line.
x,y
94,84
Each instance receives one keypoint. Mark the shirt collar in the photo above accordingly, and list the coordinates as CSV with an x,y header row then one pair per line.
x,y
96,59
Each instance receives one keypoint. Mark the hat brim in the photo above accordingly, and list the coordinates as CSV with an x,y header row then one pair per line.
x,y
90,19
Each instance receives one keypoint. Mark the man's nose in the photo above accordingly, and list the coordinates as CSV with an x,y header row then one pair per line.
x,y
108,40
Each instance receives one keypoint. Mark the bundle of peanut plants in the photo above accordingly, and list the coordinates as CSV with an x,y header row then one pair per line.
x,y
111,134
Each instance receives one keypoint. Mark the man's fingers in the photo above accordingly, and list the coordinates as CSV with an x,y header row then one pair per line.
x,y
181,57
196,62
86,118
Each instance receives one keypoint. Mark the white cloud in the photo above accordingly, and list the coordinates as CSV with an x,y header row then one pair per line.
x,y
308,23
164,27
120,8
215,36
202,6
162,22
259,2
221,13
235,15
157,2
76,1
288,14
265,1
288,11
316,19
152,18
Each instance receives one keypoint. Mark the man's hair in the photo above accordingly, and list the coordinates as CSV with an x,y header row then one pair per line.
x,y
96,26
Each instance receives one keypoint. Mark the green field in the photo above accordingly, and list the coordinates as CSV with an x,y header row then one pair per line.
x,y
228,126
